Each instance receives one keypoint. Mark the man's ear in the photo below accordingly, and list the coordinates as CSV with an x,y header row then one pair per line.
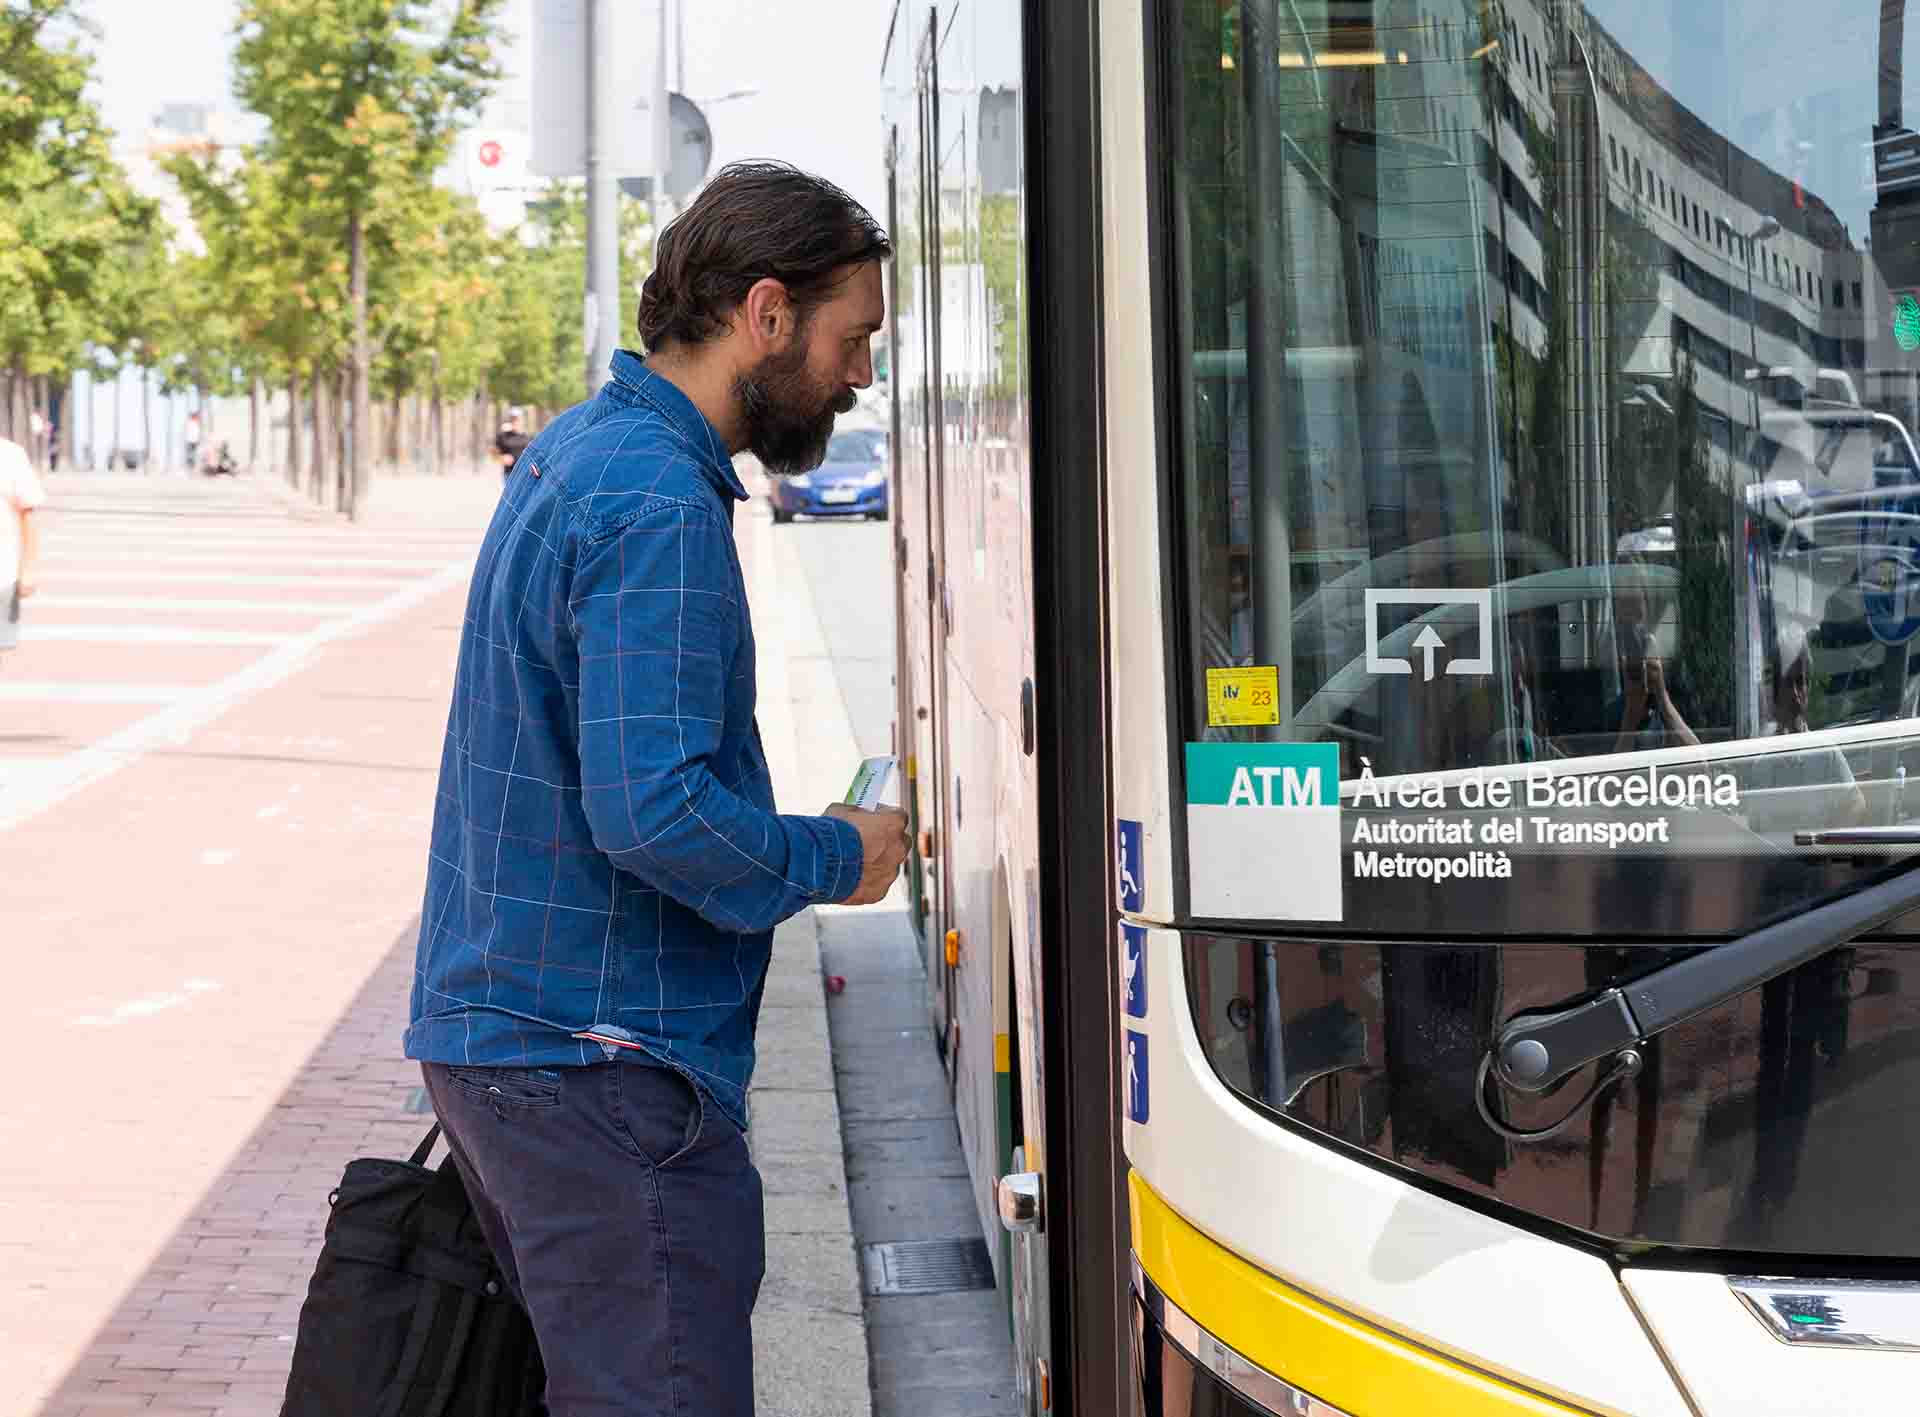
x,y
767,314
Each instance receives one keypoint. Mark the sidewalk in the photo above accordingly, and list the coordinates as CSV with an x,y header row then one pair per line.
x,y
176,1193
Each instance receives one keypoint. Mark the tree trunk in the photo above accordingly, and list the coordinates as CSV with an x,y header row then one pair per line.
x,y
317,474
393,432
43,405
256,397
351,442
17,427
113,453
362,394
146,420
294,430
69,415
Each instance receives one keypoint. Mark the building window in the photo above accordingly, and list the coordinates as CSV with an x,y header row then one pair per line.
x,y
1613,151
1857,302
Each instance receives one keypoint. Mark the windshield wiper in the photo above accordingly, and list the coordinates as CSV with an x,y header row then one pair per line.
x,y
1536,1051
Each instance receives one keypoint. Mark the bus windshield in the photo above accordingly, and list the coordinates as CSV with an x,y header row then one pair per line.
x,y
1547,412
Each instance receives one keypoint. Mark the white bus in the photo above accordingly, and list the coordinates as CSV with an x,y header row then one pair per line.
x,y
1405,671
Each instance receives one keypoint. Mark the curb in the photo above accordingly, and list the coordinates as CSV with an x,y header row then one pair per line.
x,y
810,1329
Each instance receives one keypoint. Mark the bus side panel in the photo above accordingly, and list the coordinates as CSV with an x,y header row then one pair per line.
x,y
988,783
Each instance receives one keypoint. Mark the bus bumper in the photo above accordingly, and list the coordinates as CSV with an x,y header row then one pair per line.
x,y
1209,1327
1182,1368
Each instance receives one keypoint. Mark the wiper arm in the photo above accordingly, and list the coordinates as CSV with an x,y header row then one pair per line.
x,y
1535,1051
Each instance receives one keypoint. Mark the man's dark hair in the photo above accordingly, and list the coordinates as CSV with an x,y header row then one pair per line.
x,y
753,221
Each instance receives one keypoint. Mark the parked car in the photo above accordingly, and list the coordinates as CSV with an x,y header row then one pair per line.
x,y
852,482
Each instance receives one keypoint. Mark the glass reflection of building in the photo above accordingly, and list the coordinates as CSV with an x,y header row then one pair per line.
x,y
1485,300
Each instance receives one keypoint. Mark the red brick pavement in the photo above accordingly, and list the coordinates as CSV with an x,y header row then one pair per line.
x,y
206,957
208,1327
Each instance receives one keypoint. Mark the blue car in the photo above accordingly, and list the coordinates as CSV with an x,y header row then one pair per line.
x,y
852,482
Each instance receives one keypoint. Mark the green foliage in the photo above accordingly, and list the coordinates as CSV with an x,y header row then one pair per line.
x,y
364,101
67,214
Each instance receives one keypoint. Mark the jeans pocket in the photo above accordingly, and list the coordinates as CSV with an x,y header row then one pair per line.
x,y
659,1109
508,1087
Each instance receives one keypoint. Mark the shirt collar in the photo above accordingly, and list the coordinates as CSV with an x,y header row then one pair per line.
x,y
663,396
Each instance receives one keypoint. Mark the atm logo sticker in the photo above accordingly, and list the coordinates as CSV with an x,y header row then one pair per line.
x,y
1263,774
1263,831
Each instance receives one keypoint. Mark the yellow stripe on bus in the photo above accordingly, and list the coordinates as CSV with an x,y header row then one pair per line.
x,y
1003,1052
1338,1358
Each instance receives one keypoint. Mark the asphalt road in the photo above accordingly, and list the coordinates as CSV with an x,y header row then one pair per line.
x,y
849,574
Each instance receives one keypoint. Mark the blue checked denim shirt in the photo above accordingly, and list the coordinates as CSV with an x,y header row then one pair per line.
x,y
606,857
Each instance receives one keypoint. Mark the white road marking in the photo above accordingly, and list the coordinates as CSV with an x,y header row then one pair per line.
x,y
188,606
178,722
242,556
232,578
16,773
56,691
267,814
146,535
147,1007
218,856
39,633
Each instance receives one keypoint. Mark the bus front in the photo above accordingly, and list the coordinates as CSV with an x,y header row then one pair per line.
x,y
1514,530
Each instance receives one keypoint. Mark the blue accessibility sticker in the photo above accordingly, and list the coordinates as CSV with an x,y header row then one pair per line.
x,y
1136,1077
1133,968
1129,869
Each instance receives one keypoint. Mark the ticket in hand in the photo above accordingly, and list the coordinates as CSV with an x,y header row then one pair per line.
x,y
875,785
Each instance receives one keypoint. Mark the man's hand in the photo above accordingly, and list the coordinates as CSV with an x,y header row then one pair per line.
x,y
883,842
27,584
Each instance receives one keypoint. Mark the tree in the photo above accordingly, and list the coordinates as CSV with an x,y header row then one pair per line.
x,y
275,272
65,206
363,98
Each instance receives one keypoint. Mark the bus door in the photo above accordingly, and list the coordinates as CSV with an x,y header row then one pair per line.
x,y
934,759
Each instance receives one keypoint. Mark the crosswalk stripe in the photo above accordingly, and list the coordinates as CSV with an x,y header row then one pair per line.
x,y
39,633
145,530
43,691
248,555
55,600
236,578
179,720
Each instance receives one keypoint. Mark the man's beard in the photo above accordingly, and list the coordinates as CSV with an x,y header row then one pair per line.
x,y
789,416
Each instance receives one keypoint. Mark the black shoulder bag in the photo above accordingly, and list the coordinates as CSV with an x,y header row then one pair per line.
x,y
407,1314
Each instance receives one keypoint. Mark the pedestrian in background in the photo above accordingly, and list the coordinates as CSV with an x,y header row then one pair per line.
x,y
607,865
20,494
510,442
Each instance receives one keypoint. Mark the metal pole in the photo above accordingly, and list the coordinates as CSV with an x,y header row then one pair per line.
x,y
603,216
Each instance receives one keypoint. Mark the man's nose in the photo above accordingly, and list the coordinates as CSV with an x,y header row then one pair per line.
x,y
860,375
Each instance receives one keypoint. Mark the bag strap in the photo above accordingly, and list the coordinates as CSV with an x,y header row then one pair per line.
x,y
425,1149
453,1367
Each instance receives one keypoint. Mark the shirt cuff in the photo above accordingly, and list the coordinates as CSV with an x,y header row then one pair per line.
x,y
846,861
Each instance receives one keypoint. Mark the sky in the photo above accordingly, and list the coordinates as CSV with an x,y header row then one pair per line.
x,y
815,66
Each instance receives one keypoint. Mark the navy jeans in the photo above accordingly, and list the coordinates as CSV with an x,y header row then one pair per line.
x,y
627,1216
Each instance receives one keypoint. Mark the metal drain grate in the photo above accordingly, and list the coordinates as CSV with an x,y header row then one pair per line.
x,y
927,1266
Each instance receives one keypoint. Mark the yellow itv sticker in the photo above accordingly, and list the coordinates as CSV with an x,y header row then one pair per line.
x,y
1243,696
